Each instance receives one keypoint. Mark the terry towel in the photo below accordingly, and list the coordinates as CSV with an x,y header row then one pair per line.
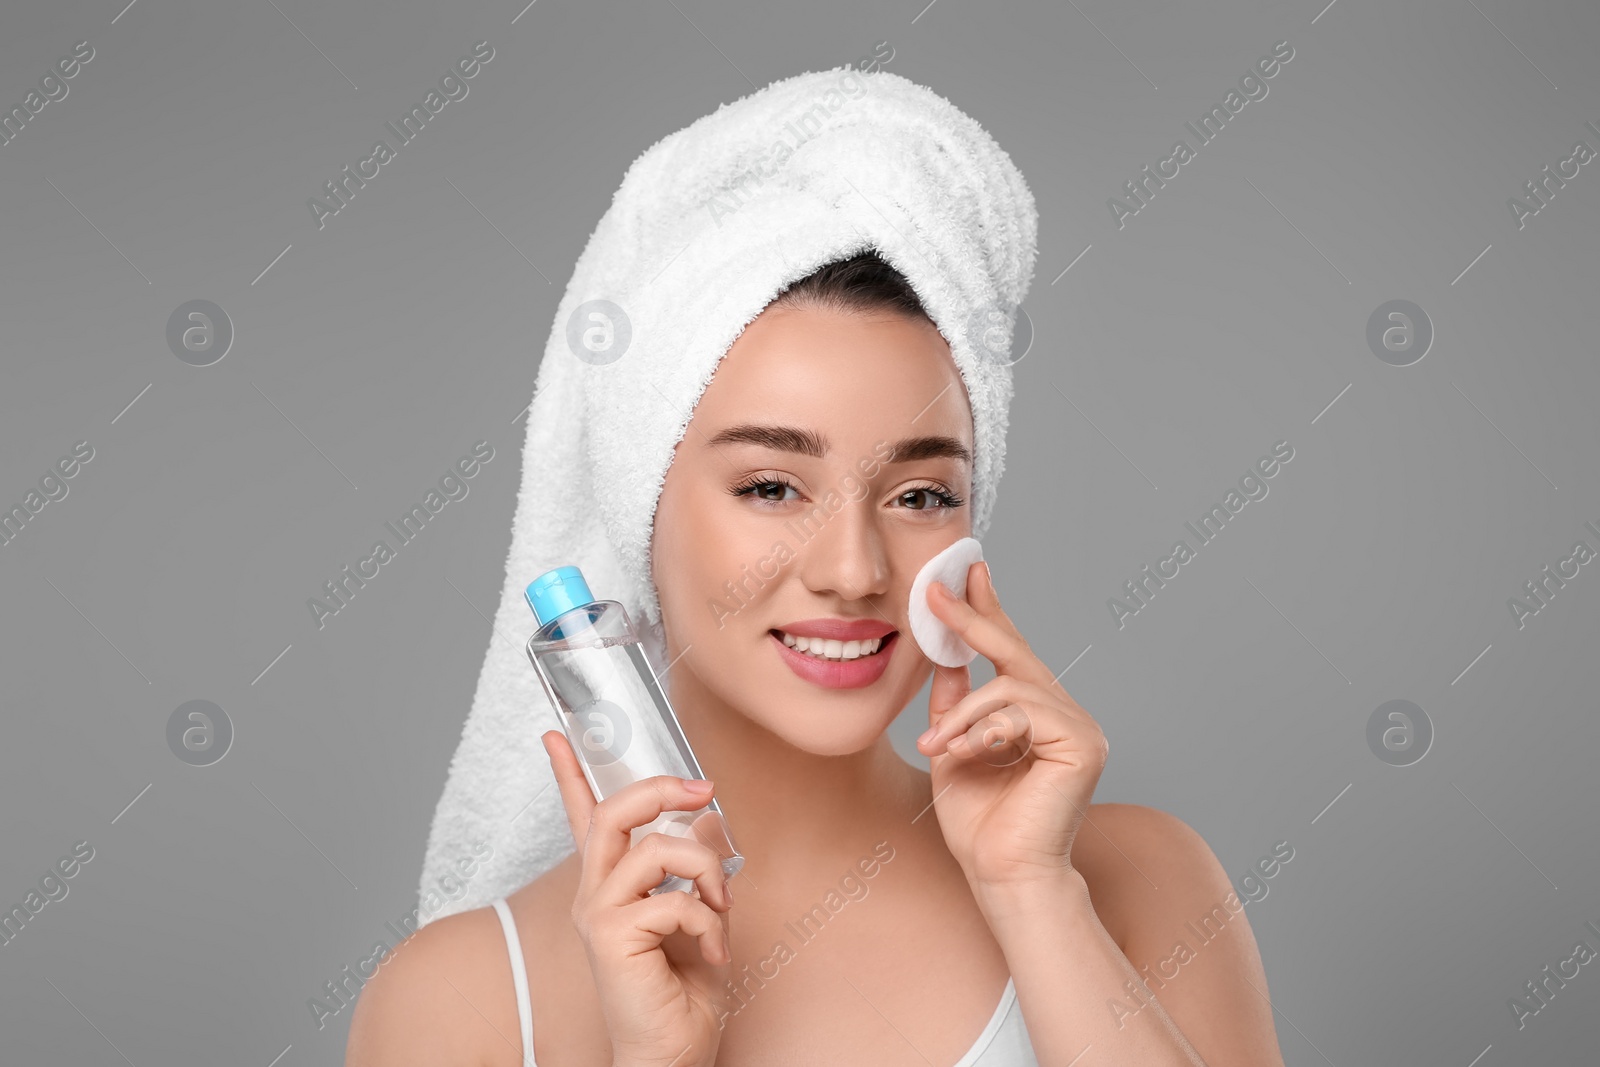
x,y
709,224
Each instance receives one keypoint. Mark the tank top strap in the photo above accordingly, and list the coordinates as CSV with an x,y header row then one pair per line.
x,y
519,979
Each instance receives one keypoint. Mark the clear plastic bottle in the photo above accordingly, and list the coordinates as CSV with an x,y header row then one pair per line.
x,y
613,709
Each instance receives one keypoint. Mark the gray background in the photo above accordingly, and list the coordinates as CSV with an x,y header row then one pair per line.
x,y
1224,317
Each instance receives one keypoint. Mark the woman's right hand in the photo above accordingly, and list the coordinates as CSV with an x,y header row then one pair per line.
x,y
660,962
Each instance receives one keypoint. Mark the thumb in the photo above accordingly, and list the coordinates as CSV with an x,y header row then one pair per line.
x,y
576,796
950,684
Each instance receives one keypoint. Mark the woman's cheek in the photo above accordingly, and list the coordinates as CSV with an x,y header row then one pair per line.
x,y
743,559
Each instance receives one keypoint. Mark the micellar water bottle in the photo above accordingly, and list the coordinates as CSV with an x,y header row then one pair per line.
x,y
615,713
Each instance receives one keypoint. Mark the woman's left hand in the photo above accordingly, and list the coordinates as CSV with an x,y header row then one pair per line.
x,y
1013,788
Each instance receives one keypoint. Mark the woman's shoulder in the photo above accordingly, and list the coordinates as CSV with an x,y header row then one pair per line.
x,y
433,1000
444,995
1142,865
1141,826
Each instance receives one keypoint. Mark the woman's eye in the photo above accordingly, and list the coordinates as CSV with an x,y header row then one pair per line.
x,y
927,498
773,492
920,498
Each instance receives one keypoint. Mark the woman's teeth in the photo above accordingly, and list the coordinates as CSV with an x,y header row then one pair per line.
x,y
829,649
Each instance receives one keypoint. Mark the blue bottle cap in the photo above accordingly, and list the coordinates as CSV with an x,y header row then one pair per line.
x,y
556,592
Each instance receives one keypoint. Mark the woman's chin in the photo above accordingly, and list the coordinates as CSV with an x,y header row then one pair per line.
x,y
836,731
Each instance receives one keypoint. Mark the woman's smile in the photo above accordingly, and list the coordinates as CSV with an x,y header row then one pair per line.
x,y
836,653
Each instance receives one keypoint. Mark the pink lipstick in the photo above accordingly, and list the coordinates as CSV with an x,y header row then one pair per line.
x,y
836,653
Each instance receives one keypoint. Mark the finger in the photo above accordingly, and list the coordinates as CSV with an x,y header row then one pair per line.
x,y
1000,737
981,594
980,588
576,796
1044,713
995,699
658,855
991,633
667,913
950,684
610,830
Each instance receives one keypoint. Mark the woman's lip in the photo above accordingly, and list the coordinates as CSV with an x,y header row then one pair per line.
x,y
839,629
837,674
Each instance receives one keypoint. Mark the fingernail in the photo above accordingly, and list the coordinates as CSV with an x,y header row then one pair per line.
x,y
928,735
697,785
727,887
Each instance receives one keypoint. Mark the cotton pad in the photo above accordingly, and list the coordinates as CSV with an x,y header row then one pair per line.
x,y
937,641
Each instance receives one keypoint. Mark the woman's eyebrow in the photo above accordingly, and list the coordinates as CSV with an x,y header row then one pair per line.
x,y
931,446
777,438
810,443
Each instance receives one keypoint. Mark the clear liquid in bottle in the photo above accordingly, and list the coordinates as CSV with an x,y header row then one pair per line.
x,y
613,709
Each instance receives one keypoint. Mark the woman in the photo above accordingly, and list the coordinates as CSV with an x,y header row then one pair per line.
x,y
995,915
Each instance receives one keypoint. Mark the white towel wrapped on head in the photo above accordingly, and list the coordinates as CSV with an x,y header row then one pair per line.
x,y
709,224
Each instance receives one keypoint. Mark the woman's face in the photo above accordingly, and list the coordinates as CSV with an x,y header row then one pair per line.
x,y
829,458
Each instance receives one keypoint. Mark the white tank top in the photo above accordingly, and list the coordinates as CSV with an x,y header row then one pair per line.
x,y
1003,1043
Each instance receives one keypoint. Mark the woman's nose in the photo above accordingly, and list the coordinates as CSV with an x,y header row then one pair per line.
x,y
848,555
